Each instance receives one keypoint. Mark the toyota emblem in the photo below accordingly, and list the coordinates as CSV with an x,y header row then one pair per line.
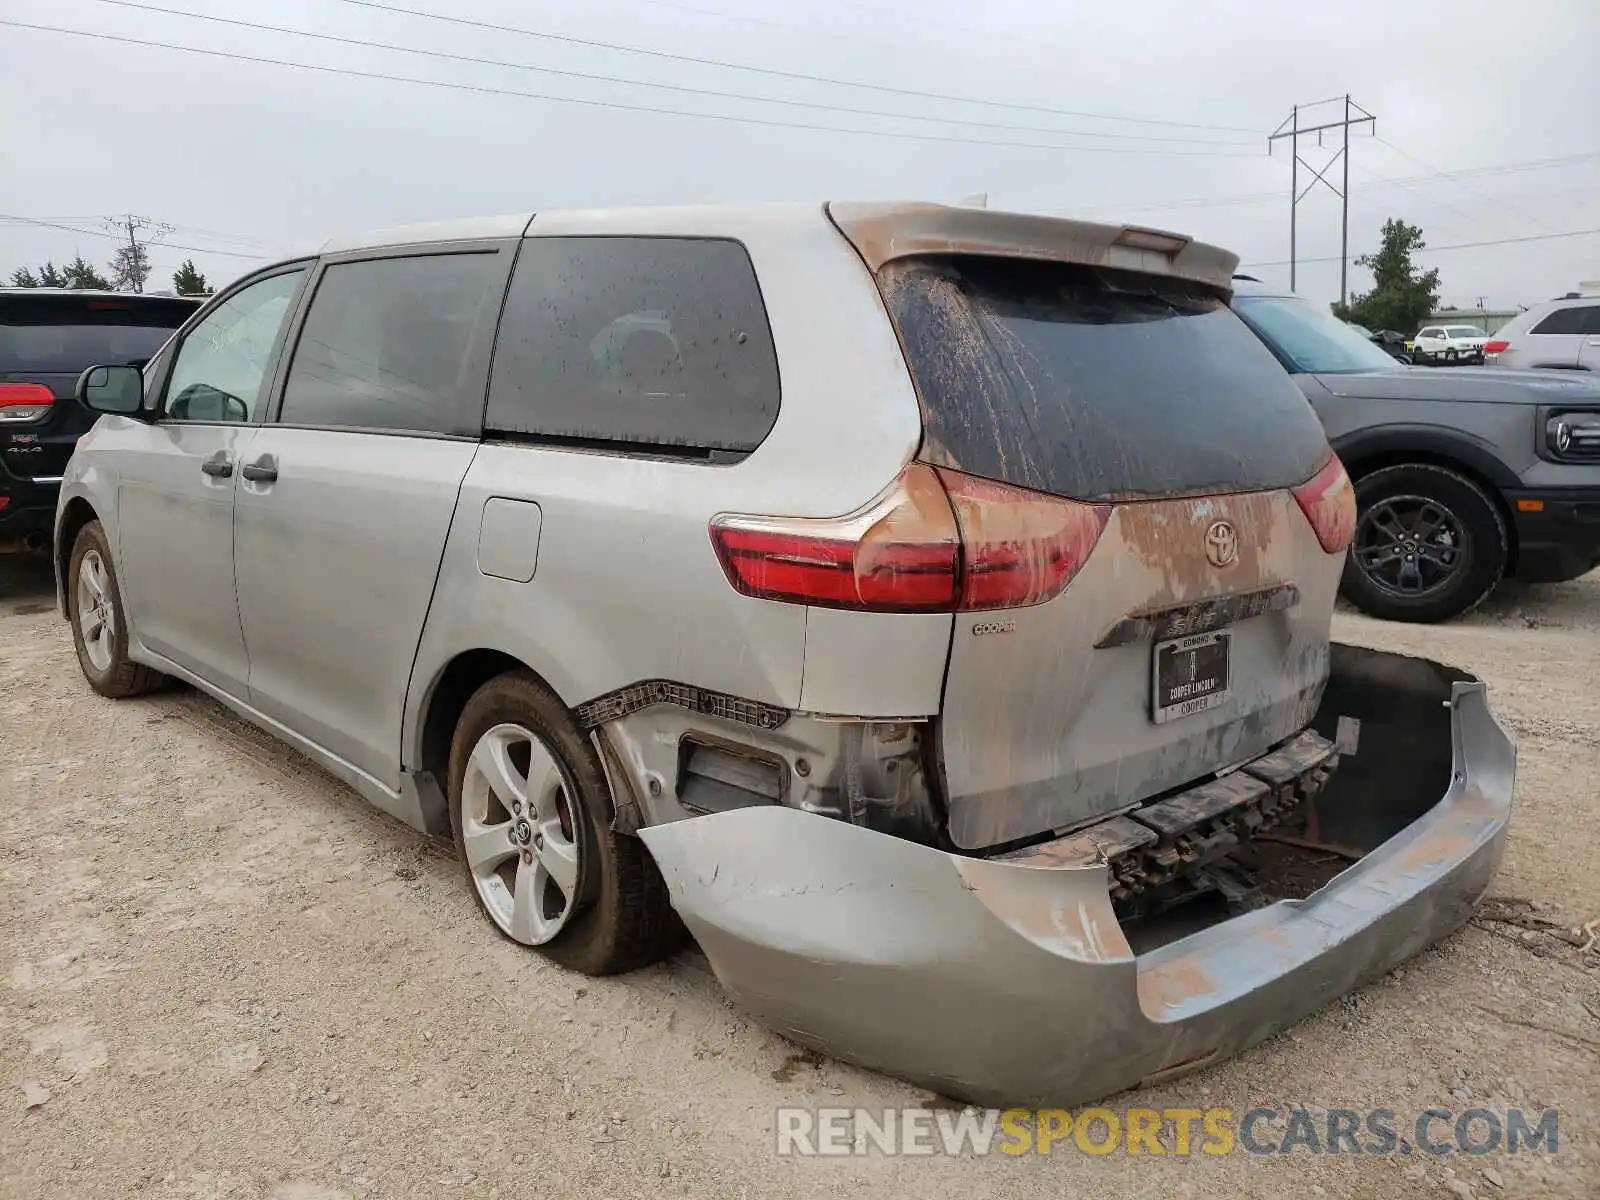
x,y
1222,544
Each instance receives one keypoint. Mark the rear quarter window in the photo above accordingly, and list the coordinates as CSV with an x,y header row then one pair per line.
x,y
1095,384
658,345
1579,319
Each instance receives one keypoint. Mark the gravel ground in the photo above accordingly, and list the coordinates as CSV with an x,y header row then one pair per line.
x,y
233,979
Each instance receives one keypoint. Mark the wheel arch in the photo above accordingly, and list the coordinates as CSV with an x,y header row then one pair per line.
x,y
447,694
75,514
1369,450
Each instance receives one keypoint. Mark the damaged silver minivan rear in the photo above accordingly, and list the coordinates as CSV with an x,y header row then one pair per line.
x,y
1105,858
928,607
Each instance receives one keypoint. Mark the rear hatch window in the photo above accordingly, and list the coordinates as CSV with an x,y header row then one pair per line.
x,y
63,334
1094,383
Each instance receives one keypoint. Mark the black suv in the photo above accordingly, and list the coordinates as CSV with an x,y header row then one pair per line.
x,y
47,337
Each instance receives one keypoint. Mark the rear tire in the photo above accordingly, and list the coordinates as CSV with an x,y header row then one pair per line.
x,y
100,620
1453,531
617,915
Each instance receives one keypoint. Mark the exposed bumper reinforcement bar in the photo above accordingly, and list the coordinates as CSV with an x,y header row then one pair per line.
x,y
1155,844
1006,983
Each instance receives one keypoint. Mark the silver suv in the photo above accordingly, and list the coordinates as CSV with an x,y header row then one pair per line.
x,y
1561,334
922,604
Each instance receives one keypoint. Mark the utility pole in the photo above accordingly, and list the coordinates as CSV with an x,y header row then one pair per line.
x,y
133,226
1292,129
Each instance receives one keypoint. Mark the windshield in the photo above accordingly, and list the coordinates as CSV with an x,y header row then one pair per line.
x,y
1312,340
1464,331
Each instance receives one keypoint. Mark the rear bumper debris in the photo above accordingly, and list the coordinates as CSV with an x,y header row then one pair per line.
x,y
1008,982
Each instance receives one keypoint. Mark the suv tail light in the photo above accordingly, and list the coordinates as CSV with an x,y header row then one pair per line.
x,y
934,541
24,401
1329,501
1496,347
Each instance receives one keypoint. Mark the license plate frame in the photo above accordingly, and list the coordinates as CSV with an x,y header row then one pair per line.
x,y
1197,656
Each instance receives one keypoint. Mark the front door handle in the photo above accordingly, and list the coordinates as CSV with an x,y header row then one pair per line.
x,y
263,470
218,466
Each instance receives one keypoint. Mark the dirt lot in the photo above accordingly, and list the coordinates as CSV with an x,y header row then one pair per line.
x,y
233,979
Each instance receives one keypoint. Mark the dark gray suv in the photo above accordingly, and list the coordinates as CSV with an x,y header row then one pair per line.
x,y
1462,478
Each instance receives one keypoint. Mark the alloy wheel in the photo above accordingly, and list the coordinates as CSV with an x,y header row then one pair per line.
x,y
518,833
97,614
1410,546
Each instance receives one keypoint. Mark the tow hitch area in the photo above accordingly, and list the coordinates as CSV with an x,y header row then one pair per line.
x,y
1165,938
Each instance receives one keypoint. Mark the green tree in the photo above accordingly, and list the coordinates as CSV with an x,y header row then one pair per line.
x,y
46,276
82,275
187,281
1400,297
130,267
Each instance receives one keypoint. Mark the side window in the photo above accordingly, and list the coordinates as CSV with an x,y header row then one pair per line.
x,y
637,343
220,371
386,343
1567,321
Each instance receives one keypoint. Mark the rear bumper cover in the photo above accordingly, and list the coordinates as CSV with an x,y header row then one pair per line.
x,y
1562,540
1009,984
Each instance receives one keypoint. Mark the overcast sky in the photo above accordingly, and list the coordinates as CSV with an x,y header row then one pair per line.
x,y
244,159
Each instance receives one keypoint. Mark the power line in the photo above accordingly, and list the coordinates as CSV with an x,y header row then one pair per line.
x,y
486,90
117,237
476,60
1240,199
217,235
780,74
1450,208
1532,237
1460,183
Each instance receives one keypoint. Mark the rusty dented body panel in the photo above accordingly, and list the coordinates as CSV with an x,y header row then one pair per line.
x,y
1048,725
1015,983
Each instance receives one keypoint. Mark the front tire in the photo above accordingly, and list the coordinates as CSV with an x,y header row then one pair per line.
x,y
100,620
532,814
1429,545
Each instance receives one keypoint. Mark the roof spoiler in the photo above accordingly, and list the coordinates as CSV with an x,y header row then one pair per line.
x,y
882,233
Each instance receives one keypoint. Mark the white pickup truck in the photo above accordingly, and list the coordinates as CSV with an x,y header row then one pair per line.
x,y
1436,344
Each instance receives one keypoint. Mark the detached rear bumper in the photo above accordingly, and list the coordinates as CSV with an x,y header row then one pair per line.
x,y
1009,984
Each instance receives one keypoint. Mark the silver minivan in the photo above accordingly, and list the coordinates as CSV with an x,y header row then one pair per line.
x,y
928,607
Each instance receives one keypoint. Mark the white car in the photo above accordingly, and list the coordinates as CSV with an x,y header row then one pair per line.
x,y
1448,344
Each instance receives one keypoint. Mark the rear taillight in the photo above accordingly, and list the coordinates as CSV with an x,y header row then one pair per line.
x,y
1018,547
1496,347
24,401
935,541
1329,501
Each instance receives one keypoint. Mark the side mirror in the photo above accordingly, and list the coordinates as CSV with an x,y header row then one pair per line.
x,y
112,389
